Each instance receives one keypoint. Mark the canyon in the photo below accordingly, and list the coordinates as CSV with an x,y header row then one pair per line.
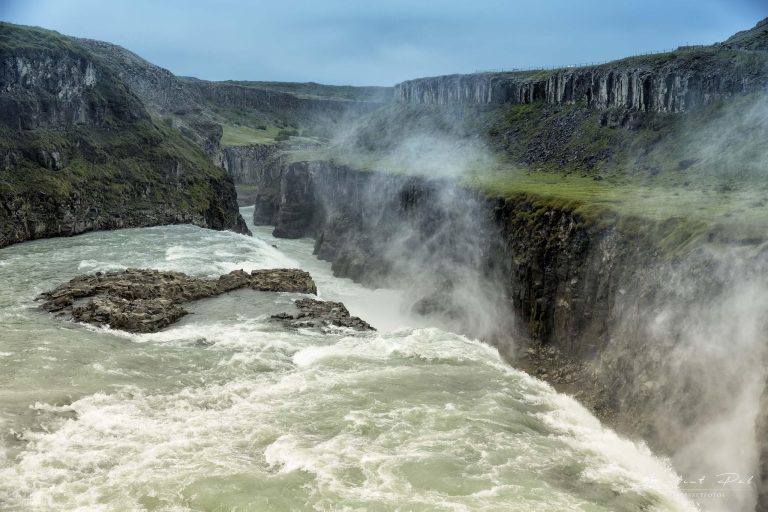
x,y
571,298
652,317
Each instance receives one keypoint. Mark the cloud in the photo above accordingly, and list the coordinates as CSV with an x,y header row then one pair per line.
x,y
359,43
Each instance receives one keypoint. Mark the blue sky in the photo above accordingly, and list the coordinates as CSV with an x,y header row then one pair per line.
x,y
382,43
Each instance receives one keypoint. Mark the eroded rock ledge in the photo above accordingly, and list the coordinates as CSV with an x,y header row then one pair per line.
x,y
318,314
142,300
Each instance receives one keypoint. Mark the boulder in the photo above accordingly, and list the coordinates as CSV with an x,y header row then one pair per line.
x,y
322,314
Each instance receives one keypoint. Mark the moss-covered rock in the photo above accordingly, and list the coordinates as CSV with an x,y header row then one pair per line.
x,y
79,152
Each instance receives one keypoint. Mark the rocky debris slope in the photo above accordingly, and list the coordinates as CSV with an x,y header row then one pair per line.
x,y
142,300
320,314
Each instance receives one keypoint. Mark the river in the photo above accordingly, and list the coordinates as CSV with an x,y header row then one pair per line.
x,y
227,411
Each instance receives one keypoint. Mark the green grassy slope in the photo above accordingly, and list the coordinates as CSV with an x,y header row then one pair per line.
x,y
315,90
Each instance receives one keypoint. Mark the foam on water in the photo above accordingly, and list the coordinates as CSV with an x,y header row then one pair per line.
x,y
228,411
365,424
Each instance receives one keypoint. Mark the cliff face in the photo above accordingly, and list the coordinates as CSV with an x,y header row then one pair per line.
x,y
258,167
157,88
557,272
33,214
673,82
41,88
256,164
79,152
665,90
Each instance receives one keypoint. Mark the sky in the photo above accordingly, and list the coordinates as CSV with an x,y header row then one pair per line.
x,y
385,42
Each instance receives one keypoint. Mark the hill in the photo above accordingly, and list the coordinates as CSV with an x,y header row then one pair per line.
x,y
79,151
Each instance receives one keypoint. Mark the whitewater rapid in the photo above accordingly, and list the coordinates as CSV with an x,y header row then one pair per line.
x,y
228,411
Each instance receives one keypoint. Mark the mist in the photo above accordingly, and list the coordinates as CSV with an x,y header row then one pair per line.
x,y
432,235
685,346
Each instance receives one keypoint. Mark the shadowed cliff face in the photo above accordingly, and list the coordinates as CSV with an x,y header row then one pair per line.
x,y
668,89
47,89
79,152
687,354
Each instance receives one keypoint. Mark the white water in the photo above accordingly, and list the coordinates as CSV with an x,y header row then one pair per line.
x,y
228,411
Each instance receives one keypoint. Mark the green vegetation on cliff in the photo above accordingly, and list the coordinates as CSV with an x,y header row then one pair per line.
x,y
243,135
678,178
78,150
169,169
315,90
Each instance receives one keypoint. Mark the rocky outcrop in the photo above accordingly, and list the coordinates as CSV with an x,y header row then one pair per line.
x,y
254,164
318,314
138,300
672,82
755,38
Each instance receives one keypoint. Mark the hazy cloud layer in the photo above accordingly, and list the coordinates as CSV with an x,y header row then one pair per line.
x,y
381,43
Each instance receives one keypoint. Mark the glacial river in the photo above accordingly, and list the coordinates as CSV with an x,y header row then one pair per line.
x,y
227,411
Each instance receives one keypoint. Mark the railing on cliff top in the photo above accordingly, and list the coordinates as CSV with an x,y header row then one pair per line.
x,y
592,64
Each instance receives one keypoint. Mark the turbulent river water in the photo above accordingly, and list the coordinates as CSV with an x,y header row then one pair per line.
x,y
228,411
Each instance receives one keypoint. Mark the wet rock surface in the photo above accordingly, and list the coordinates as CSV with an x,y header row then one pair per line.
x,y
321,314
143,300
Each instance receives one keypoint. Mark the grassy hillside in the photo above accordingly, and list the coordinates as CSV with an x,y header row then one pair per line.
x,y
315,90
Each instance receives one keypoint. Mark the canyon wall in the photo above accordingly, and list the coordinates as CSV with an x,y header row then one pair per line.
x,y
673,83
40,214
78,151
634,333
57,90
